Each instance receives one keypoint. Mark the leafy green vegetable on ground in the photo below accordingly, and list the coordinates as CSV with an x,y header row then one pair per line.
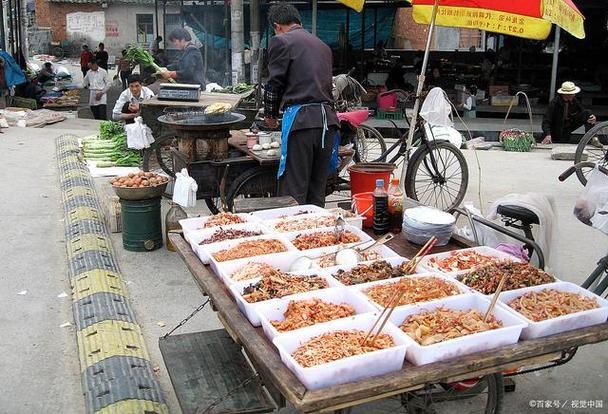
x,y
108,129
110,149
238,88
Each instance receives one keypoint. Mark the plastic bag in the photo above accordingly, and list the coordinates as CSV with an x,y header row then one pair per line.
x,y
116,82
591,206
139,135
436,110
184,190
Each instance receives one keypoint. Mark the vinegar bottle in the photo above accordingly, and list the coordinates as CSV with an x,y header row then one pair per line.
x,y
381,218
395,206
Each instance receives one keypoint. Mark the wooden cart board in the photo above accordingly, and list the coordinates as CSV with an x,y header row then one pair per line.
x,y
210,374
206,99
282,383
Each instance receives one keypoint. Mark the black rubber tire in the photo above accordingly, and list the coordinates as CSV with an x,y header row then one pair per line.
x,y
421,161
596,155
157,149
213,204
493,383
256,182
58,52
369,145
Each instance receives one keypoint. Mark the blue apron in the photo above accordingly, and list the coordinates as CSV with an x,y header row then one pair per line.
x,y
289,117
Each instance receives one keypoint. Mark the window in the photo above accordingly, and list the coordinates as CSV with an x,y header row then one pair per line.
x,y
145,28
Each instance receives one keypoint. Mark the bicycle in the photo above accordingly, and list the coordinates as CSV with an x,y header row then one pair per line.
x,y
437,173
596,154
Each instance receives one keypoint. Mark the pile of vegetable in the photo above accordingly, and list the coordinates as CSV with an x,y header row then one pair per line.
x,y
136,54
141,179
237,89
110,148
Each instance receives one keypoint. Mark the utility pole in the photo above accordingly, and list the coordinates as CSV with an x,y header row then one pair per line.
x,y
254,23
238,41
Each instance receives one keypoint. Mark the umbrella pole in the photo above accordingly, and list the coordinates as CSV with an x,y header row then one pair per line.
x,y
421,80
554,64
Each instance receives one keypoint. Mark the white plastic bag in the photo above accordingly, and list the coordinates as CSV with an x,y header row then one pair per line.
x,y
592,205
139,135
184,190
436,110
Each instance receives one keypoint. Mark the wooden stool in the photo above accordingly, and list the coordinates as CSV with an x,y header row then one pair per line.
x,y
248,205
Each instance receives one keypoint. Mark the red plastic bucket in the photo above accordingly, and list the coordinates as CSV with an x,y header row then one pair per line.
x,y
363,205
363,176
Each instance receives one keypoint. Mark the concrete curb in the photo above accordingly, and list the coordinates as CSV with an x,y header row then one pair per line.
x,y
116,371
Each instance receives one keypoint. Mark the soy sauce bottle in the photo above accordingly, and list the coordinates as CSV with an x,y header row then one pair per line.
x,y
381,222
395,206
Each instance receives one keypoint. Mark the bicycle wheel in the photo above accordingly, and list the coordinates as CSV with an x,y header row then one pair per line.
x,y
58,52
482,396
595,154
437,175
253,183
162,150
369,144
213,204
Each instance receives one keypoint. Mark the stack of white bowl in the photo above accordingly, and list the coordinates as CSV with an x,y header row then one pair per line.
x,y
422,223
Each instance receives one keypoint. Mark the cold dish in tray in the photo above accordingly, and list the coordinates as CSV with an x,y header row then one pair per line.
x,y
253,270
551,303
336,345
250,248
301,313
324,239
282,284
330,261
368,272
518,275
413,290
442,324
460,260
223,219
228,234
303,223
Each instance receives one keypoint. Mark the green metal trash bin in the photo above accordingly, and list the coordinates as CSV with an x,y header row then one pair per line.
x,y
141,225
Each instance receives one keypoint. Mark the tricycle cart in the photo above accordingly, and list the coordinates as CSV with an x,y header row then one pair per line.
x,y
420,389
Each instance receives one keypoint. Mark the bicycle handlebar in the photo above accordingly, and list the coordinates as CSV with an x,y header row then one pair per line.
x,y
578,166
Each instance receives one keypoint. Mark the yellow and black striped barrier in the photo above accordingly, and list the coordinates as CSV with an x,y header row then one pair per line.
x,y
117,376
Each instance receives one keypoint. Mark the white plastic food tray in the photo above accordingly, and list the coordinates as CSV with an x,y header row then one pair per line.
x,y
384,251
196,236
464,290
281,261
272,224
276,213
216,247
362,236
349,369
331,271
482,250
250,309
274,311
452,348
197,223
562,323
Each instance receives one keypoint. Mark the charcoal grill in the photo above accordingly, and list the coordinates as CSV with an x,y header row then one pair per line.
x,y
202,137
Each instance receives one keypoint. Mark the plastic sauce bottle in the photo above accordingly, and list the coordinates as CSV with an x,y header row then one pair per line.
x,y
174,215
381,222
395,206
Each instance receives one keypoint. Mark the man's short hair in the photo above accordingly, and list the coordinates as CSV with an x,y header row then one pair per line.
x,y
283,14
180,34
85,46
135,77
48,65
93,61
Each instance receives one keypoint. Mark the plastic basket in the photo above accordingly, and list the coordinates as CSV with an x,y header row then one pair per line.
x,y
516,140
384,114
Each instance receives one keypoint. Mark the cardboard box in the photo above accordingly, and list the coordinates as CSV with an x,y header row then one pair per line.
x,y
495,90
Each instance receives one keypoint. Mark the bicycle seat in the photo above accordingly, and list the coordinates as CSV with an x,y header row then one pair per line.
x,y
518,213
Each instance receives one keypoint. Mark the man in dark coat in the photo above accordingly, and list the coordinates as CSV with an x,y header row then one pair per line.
x,y
564,115
300,82
189,68
102,57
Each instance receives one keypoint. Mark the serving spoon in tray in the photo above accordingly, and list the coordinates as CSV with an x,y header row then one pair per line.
x,y
304,263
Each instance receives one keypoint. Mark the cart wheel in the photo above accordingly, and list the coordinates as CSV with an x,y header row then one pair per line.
x,y
479,396
213,204
161,149
437,175
369,145
256,182
595,154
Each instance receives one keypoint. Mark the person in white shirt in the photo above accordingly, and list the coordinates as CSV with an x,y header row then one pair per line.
x,y
127,106
469,105
97,81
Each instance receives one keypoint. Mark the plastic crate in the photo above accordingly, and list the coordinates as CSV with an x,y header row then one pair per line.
x,y
395,115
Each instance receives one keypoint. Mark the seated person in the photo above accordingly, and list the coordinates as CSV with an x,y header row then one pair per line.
x,y
564,115
469,106
127,105
46,73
